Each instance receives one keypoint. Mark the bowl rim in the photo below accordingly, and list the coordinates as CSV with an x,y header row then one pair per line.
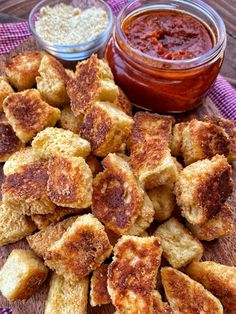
x,y
87,44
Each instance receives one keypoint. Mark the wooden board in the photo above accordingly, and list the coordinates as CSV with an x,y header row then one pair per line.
x,y
222,251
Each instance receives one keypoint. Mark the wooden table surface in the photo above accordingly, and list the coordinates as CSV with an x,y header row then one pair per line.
x,y
226,8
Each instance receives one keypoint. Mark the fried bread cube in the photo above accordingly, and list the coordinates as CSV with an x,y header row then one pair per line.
x,y
52,82
202,188
9,142
122,102
177,138
132,274
22,69
93,82
69,121
24,156
117,196
203,140
81,249
5,90
218,279
28,114
21,275
178,244
230,129
220,225
67,297
58,142
94,164
69,182
160,307
13,225
25,190
187,296
98,287
41,241
163,201
106,128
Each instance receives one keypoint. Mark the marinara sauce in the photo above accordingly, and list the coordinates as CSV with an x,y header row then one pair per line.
x,y
156,58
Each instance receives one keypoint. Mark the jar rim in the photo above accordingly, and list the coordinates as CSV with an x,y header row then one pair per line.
x,y
188,63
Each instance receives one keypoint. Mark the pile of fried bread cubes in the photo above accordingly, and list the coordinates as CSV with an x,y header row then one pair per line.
x,y
114,205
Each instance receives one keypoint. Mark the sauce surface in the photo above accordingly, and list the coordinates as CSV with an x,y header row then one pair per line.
x,y
168,34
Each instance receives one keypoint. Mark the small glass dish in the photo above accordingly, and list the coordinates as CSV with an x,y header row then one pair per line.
x,y
78,51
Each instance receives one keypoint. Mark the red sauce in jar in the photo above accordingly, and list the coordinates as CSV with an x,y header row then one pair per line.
x,y
168,35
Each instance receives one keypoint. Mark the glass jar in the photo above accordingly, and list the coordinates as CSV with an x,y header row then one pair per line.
x,y
166,85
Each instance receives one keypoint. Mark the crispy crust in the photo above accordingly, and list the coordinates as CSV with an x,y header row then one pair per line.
x,y
5,90
132,274
177,138
68,120
160,307
187,296
217,278
94,164
117,196
122,102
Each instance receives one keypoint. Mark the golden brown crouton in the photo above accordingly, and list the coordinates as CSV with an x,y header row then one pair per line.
x,y
187,296
132,274
21,275
178,244
177,138
24,156
117,196
160,307
25,190
13,225
9,142
230,129
163,201
52,82
22,69
218,279
98,287
69,182
28,114
122,102
69,121
3,117
93,82
5,90
81,249
106,128
67,297
41,241
220,225
202,188
94,164
58,142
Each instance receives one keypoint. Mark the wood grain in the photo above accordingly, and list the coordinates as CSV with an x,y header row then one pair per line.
x,y
222,251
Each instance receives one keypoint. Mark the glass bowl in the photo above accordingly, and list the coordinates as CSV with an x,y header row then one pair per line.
x,y
78,51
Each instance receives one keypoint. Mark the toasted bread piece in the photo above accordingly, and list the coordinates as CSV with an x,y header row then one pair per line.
x,y
70,74
117,196
24,156
93,82
69,121
230,129
98,287
106,128
160,307
13,225
218,279
9,142
122,102
163,201
65,297
220,225
21,275
187,296
69,182
41,241
22,69
28,114
3,117
58,142
5,90
94,164
177,138
203,140
52,82
132,274
25,190
179,245
81,249
202,188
